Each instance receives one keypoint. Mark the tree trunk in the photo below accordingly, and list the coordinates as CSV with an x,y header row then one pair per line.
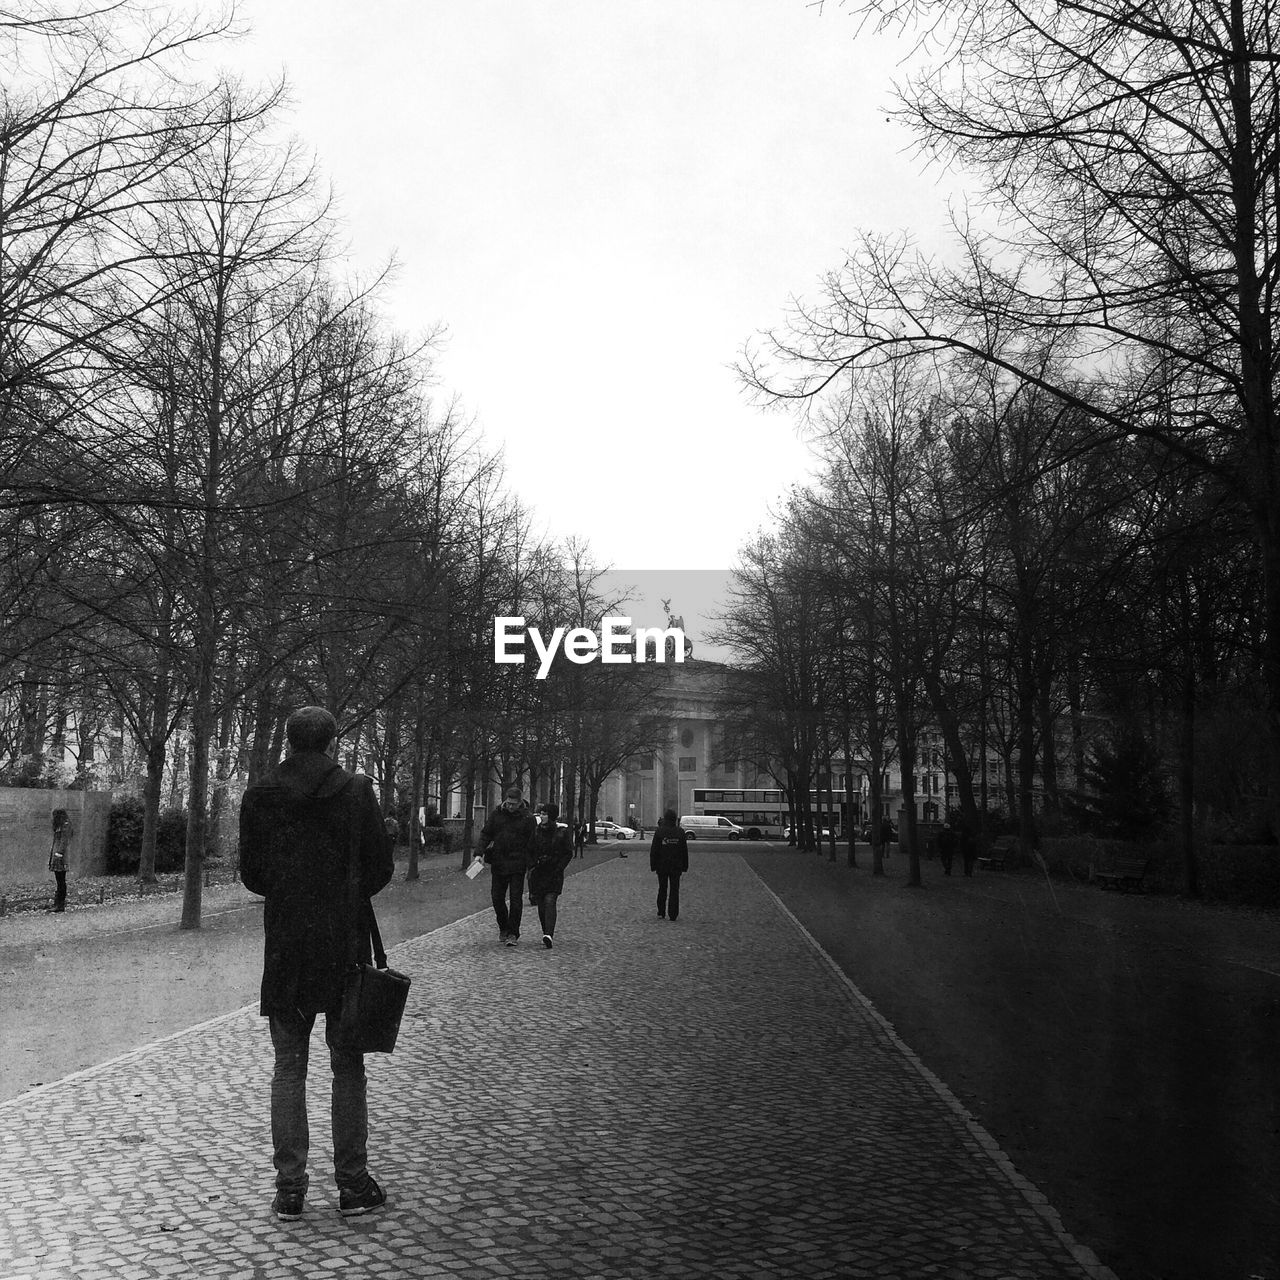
x,y
416,787
1187,778
468,816
222,771
155,749
151,811
831,810
197,800
875,802
908,833
852,816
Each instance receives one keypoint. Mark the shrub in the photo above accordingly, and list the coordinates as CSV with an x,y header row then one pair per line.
x,y
124,838
1124,793
436,838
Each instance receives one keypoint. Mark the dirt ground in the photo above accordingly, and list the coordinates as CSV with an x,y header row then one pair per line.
x,y
1122,1049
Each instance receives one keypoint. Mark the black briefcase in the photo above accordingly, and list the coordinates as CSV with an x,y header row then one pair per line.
x,y
373,1003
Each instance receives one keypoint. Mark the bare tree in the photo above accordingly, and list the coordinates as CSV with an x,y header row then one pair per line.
x,y
1132,153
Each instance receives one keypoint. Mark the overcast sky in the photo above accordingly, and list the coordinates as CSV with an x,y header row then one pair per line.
x,y
602,201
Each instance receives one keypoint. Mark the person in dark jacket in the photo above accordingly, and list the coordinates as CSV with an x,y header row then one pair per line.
x,y
505,841
59,852
948,846
669,857
551,854
299,826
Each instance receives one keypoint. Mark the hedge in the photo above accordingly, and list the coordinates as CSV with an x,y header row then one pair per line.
x,y
124,838
1245,875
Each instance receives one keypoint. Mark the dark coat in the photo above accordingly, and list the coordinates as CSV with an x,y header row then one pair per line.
x,y
670,849
505,840
552,852
296,829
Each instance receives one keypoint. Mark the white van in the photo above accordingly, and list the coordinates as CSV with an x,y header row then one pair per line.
x,y
710,828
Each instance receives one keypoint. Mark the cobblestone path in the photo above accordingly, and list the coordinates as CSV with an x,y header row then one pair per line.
x,y
707,1097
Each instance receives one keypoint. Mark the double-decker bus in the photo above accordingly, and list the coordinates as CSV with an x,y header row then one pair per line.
x,y
762,812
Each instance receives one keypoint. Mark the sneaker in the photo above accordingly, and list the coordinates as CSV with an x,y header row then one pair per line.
x,y
287,1206
353,1203
546,941
662,915
513,939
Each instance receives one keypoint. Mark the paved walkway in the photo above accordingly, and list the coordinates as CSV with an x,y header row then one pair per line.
x,y
709,1097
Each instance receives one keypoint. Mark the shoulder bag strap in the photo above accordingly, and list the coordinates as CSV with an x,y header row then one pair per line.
x,y
361,908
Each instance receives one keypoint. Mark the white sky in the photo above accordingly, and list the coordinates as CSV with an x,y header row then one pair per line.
x,y
603,200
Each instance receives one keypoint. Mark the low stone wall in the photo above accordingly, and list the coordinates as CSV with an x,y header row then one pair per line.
x,y
26,831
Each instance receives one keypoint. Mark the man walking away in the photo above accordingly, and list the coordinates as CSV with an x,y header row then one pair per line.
x,y
506,840
298,826
669,857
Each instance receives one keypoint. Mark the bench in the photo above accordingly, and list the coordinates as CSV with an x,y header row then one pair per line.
x,y
1124,874
1003,850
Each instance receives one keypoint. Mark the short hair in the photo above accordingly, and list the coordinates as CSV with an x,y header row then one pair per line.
x,y
310,729
669,817
513,792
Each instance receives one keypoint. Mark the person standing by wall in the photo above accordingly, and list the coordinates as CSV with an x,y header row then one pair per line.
x,y
59,852
505,842
550,855
300,827
669,858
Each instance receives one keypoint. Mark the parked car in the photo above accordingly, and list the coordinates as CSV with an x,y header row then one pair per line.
x,y
706,827
606,830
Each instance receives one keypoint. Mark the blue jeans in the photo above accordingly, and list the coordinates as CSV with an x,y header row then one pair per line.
x,y
508,914
290,1138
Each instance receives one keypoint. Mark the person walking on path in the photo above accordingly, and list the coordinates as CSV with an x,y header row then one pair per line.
x,y
550,855
948,845
579,838
505,842
59,851
299,826
669,857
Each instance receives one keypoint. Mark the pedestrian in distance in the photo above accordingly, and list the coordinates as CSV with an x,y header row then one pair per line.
x,y
300,827
550,855
669,858
506,840
59,853
948,846
580,838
